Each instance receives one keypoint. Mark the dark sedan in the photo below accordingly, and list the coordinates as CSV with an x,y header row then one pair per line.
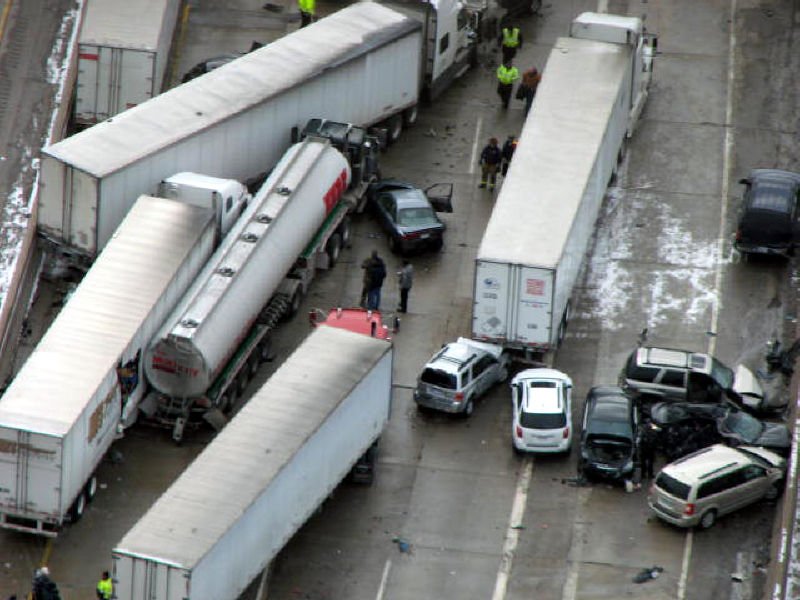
x,y
768,218
408,214
686,427
608,439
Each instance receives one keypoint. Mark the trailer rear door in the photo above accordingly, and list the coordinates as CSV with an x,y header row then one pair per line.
x,y
532,306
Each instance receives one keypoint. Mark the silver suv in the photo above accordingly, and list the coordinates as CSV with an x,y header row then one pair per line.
x,y
669,374
712,482
458,374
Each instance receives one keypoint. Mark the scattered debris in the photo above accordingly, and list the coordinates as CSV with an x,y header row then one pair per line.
x,y
431,132
403,545
276,8
520,526
648,574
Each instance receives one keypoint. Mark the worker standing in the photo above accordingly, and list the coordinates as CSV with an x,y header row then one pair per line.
x,y
406,280
510,41
307,10
507,74
491,156
105,587
508,153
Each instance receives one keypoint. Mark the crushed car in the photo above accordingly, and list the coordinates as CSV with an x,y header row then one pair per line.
x,y
609,436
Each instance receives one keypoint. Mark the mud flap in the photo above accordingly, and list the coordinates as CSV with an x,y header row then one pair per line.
x,y
215,418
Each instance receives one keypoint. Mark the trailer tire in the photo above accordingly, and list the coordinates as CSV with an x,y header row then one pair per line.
x,y
90,490
227,400
78,508
394,126
334,249
253,363
410,115
241,382
294,305
345,232
264,350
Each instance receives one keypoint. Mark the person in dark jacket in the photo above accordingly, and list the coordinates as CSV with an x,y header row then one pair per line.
x,y
44,588
491,157
508,153
647,450
374,274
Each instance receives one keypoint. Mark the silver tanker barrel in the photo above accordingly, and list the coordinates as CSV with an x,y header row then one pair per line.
x,y
203,335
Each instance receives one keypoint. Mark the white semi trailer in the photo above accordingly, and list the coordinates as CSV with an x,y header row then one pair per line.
x,y
123,53
593,91
81,383
233,509
363,64
213,342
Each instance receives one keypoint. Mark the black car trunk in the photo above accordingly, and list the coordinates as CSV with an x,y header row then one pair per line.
x,y
765,227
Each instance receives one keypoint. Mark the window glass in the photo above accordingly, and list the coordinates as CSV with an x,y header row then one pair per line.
x,y
229,204
444,43
531,420
439,378
673,377
753,472
672,486
640,373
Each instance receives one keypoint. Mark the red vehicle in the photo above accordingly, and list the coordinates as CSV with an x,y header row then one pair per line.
x,y
360,320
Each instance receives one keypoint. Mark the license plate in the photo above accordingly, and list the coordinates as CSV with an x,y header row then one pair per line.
x,y
425,236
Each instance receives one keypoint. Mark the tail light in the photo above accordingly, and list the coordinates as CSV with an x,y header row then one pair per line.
x,y
412,235
689,510
459,396
518,431
565,435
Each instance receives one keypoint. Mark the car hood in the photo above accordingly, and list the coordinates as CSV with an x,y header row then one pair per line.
x,y
768,455
775,435
748,387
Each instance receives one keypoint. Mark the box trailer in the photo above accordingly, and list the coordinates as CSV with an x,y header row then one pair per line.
x,y
81,384
359,65
233,509
544,215
123,53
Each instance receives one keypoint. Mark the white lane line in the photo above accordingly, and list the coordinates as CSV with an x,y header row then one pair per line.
x,y
512,534
570,591
727,153
687,555
384,579
474,158
602,6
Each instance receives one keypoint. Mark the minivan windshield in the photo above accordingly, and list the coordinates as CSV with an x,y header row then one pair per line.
x,y
747,427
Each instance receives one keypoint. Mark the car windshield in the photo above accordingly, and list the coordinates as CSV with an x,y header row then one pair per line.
x,y
414,217
747,427
721,374
610,420
531,420
439,378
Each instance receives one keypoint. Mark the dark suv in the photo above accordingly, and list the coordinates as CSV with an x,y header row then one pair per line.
x,y
768,219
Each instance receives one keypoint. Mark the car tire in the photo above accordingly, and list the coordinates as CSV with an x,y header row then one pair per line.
x,y
773,492
469,408
394,245
708,519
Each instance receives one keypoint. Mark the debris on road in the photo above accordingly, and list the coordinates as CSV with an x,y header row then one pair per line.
x,y
403,545
648,574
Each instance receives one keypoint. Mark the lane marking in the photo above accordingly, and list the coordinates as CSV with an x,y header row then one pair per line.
x,y
727,152
473,159
512,534
602,6
575,559
384,579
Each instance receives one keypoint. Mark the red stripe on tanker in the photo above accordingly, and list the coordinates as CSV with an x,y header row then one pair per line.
x,y
202,333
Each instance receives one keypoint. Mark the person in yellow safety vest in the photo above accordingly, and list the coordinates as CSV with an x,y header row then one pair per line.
x,y
510,41
105,587
507,74
307,9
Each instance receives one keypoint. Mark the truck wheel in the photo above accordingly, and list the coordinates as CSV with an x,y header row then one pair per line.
x,y
252,364
395,126
294,305
78,508
227,400
410,116
345,232
91,488
333,248
264,350
241,382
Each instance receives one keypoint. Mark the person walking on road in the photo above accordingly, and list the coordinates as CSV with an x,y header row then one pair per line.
x,y
307,10
491,157
510,41
105,587
647,451
528,87
508,153
374,274
406,280
507,74
44,588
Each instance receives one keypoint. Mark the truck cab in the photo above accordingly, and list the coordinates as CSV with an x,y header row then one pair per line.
x,y
226,197
360,148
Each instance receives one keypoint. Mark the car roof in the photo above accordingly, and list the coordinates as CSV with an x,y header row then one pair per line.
x,y
670,357
706,462
609,403
775,175
453,356
541,399
410,198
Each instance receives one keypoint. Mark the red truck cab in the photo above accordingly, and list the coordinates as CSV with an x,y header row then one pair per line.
x,y
359,320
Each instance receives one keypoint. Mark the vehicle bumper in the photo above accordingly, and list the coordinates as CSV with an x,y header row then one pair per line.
x,y
440,404
419,244
679,520
766,250
535,448
608,472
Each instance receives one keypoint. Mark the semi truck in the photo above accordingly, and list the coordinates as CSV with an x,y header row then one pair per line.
x,y
235,507
362,65
209,347
82,382
123,53
595,86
